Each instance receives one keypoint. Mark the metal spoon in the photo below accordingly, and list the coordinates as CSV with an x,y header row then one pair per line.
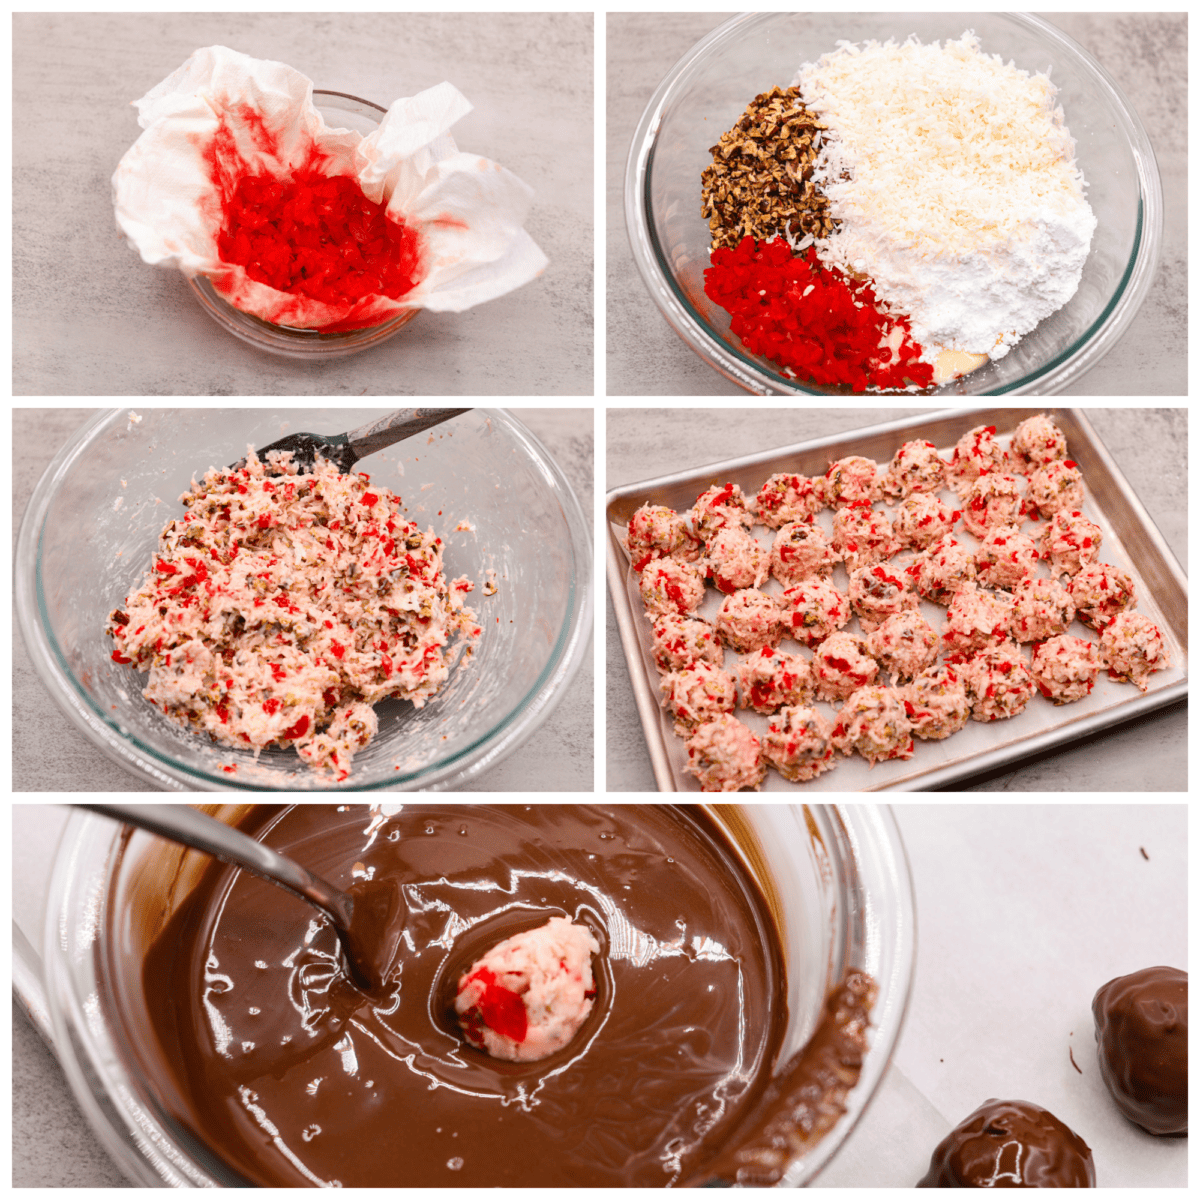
x,y
179,823
345,449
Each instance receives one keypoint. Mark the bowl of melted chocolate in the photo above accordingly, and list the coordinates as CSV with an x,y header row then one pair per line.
x,y
745,971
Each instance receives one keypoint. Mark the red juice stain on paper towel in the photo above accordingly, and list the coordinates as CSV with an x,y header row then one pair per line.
x,y
309,233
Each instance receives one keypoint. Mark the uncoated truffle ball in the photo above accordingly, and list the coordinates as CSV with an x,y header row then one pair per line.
x,y
1011,1143
1141,1041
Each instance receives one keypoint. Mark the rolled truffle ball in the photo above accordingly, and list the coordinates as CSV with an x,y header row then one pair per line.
x,y
976,619
799,743
768,679
670,586
850,480
1011,1143
936,703
995,500
1036,442
719,506
874,722
1065,667
943,568
725,756
658,532
862,536
1099,592
681,641
812,610
878,592
976,451
749,620
1141,1041
801,551
1132,647
916,467
998,681
1069,541
904,644
735,560
696,694
786,498
923,519
1056,487
1006,556
528,996
842,665
1043,608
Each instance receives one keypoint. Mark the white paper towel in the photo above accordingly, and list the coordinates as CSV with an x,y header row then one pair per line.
x,y
255,116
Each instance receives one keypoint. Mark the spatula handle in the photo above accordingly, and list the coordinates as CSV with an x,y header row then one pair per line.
x,y
403,423
178,823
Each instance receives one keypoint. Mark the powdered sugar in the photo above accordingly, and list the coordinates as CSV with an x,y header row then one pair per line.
x,y
953,175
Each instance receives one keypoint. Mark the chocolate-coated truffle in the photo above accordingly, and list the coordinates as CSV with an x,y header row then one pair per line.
x,y
1141,1041
1011,1143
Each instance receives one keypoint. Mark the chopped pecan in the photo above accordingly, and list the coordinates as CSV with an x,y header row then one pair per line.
x,y
760,181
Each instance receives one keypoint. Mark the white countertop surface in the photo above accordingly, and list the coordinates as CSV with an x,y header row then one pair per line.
x,y
50,754
1150,448
1145,52
90,318
1023,912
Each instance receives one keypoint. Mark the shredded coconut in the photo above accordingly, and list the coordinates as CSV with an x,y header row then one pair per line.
x,y
953,177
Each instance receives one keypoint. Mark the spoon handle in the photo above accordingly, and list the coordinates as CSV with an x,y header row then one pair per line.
x,y
179,823
404,422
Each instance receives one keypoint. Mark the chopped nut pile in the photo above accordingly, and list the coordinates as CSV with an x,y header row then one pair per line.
x,y
760,183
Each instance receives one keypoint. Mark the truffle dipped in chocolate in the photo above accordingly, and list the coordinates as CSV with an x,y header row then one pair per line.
x,y
1011,1143
1141,1042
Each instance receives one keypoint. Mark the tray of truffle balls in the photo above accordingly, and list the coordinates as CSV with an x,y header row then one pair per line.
x,y
901,607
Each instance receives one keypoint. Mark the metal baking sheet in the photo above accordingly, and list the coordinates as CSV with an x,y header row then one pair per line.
x,y
1130,541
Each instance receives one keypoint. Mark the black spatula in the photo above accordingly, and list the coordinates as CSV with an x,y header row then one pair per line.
x,y
345,449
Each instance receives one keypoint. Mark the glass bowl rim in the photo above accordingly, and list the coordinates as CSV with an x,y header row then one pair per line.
x,y
748,373
148,763
867,855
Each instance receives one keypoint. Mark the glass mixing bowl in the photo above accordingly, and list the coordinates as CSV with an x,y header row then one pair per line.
x,y
93,523
835,877
340,112
709,88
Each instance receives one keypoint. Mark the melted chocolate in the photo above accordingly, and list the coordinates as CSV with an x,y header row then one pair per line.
x,y
804,1101
1141,1042
369,944
273,1059
1011,1143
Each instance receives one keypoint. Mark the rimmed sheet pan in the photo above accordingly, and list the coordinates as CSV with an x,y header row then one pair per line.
x,y
1131,541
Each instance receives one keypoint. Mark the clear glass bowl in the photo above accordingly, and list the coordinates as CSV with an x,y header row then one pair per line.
x,y
340,112
836,878
94,520
708,89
